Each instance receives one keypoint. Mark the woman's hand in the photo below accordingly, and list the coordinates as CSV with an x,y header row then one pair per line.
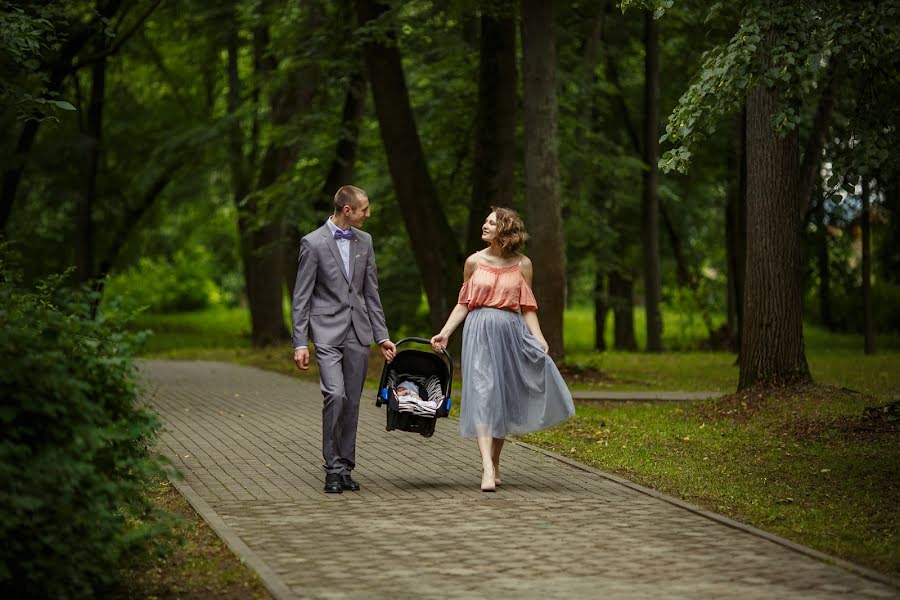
x,y
439,342
544,345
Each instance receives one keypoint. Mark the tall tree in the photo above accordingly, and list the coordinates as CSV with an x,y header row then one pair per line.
x,y
649,200
260,233
772,342
764,64
542,186
434,245
495,123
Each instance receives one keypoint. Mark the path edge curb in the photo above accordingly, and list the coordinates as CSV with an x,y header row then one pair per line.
x,y
270,580
839,562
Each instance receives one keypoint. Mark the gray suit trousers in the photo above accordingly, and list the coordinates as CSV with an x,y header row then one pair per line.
x,y
342,372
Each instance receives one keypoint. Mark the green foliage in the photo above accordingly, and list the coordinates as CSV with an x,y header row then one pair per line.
x,y
795,48
183,284
74,456
847,307
27,37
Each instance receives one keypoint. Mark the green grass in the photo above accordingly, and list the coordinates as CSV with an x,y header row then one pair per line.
x,y
796,467
835,359
192,562
216,328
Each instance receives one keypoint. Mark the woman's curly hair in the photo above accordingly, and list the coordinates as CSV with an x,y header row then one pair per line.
x,y
511,235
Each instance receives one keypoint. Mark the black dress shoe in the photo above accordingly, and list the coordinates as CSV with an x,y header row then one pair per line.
x,y
348,484
333,484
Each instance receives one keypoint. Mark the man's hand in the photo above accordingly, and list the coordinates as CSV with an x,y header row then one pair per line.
x,y
388,350
301,358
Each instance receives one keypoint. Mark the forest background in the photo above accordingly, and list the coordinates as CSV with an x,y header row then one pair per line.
x,y
175,153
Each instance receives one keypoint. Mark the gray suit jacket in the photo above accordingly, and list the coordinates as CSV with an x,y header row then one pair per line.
x,y
326,301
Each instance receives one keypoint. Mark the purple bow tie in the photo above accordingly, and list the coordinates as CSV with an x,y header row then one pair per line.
x,y
343,234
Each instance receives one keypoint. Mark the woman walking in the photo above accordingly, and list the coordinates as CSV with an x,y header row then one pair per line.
x,y
510,385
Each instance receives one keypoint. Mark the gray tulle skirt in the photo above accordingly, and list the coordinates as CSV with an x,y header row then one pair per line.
x,y
509,386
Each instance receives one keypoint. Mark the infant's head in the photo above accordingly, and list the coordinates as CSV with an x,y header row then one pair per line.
x,y
407,388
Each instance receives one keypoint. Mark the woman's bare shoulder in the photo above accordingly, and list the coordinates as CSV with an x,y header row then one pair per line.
x,y
471,264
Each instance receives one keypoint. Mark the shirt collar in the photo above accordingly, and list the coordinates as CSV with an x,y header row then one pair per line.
x,y
333,226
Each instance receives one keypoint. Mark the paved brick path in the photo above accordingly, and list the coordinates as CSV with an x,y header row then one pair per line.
x,y
248,443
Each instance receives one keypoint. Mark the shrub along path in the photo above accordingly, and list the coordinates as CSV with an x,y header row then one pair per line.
x,y
248,443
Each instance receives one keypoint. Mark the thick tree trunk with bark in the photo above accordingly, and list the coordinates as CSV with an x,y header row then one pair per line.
x,y
542,187
649,200
866,226
495,125
433,242
772,347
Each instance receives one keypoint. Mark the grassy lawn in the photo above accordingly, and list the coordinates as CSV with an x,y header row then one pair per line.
x,y
807,466
192,563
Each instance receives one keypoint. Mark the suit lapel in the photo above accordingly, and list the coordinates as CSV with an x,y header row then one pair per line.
x,y
332,245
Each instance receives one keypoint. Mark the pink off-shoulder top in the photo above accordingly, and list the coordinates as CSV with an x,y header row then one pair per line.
x,y
497,287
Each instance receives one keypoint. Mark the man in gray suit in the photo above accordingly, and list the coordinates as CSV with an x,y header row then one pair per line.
x,y
336,304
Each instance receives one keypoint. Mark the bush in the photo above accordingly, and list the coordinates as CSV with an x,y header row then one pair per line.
x,y
183,284
74,456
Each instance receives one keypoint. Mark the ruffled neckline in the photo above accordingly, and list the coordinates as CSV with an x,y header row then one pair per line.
x,y
498,269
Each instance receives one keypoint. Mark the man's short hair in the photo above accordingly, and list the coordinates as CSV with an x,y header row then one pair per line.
x,y
348,195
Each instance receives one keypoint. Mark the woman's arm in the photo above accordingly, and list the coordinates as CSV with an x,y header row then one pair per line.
x,y
531,318
457,315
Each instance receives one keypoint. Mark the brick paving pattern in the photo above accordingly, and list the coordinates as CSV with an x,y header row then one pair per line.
x,y
249,444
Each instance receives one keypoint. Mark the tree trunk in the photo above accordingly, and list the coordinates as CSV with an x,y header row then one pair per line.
x,y
683,274
649,201
495,125
84,250
621,296
601,307
822,260
542,191
433,242
340,172
772,347
240,180
866,225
